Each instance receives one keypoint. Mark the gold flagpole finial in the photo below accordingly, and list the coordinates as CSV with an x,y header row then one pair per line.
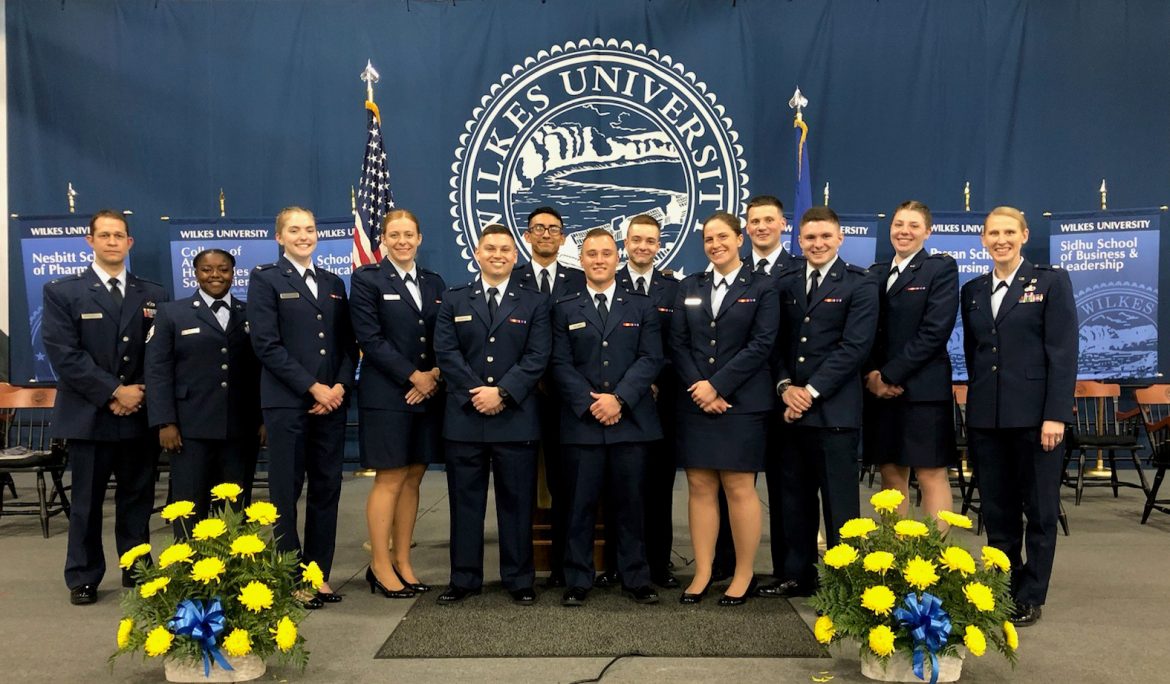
x,y
370,76
1104,196
798,102
826,193
71,194
967,196
352,200
222,204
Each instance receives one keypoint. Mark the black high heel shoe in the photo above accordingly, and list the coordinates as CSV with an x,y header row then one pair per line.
x,y
413,586
375,585
728,600
690,599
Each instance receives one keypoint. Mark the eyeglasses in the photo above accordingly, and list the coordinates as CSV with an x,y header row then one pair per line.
x,y
541,229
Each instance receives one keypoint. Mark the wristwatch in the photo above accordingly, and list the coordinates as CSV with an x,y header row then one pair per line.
x,y
503,393
783,386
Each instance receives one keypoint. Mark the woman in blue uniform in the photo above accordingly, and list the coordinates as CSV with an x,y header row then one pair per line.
x,y
909,421
722,332
393,305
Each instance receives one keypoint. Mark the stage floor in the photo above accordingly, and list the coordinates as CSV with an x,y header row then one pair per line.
x,y
1105,621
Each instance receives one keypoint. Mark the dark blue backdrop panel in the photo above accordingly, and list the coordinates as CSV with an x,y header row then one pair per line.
x,y
155,106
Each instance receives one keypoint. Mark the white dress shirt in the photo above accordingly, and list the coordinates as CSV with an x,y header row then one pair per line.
x,y
720,284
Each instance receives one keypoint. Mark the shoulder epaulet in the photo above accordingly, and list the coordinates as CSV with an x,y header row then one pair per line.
x,y
264,267
568,297
635,293
461,286
940,255
697,276
148,281
1046,267
65,279
427,271
369,267
856,269
668,273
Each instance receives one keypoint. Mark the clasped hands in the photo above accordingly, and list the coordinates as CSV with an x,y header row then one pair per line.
x,y
424,386
127,399
706,397
486,399
797,400
328,399
605,408
878,388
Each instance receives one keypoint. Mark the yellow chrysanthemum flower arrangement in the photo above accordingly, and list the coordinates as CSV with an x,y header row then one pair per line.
x,y
890,574
227,573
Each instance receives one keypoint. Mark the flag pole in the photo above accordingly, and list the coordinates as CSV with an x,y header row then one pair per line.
x,y
370,77
222,204
1104,194
967,196
71,194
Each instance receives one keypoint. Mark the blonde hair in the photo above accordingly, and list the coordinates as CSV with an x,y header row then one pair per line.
x,y
395,214
1010,212
282,217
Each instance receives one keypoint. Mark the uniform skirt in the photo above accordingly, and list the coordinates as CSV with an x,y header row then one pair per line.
x,y
393,439
732,441
905,433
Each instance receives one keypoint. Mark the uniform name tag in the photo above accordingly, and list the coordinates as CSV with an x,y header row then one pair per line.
x,y
693,301
391,297
189,331
576,326
462,319
290,295
91,316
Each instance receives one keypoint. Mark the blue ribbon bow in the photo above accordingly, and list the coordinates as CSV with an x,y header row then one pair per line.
x,y
929,626
203,626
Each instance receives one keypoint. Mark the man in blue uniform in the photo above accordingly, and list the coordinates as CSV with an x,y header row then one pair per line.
x,y
94,329
607,352
203,383
545,236
643,240
492,341
298,315
1020,340
828,315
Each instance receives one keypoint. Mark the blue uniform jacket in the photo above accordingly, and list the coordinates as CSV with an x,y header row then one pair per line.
x,y
395,337
662,291
825,343
511,353
300,339
93,349
621,356
568,280
916,318
200,377
1022,363
730,350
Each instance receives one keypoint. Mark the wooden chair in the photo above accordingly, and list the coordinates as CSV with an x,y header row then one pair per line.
x,y
1154,404
24,416
1099,426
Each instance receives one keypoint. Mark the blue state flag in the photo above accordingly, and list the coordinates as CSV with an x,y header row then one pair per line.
x,y
803,200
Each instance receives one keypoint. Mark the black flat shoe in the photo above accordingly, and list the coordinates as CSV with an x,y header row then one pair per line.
x,y
454,594
666,580
729,600
785,589
690,599
83,595
1025,615
606,580
417,587
644,594
375,585
574,596
309,601
328,597
525,597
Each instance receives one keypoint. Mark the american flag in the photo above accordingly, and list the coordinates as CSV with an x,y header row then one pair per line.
x,y
373,198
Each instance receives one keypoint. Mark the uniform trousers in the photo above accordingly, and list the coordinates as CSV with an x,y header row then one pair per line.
x,y
1018,480
816,459
302,445
204,463
773,473
513,467
619,470
133,463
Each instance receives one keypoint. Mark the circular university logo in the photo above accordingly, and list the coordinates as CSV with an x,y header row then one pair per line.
x,y
603,132
1118,329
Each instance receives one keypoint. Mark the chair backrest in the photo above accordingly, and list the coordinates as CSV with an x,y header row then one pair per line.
x,y
25,413
1095,409
1154,403
959,392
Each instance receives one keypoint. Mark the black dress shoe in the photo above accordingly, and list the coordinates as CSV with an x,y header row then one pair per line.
x,y
418,587
404,593
691,599
785,589
574,596
525,596
643,594
555,581
666,580
606,580
1026,615
729,600
328,597
310,602
83,595
455,594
